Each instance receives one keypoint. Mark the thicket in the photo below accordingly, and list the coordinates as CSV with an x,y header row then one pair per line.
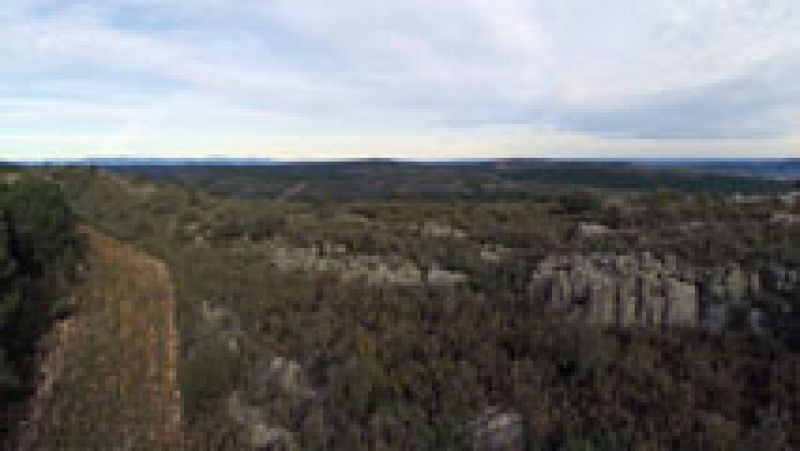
x,y
39,249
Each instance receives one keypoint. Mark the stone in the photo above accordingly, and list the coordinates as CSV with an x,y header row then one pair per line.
x,y
579,285
438,276
782,217
498,431
258,433
754,285
647,287
756,319
590,229
288,375
716,317
648,262
561,290
626,301
671,263
262,436
436,230
735,285
682,303
653,311
600,298
540,287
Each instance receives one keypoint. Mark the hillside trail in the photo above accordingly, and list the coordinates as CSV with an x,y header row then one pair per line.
x,y
109,379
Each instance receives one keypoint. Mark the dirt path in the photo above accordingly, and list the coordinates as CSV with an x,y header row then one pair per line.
x,y
110,379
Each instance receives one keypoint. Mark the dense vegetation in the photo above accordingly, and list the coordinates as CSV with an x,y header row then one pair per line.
x,y
278,347
39,249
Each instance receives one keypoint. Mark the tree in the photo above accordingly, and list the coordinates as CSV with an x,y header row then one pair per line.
x,y
40,222
9,299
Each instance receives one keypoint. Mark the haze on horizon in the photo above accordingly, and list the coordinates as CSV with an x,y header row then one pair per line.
x,y
296,79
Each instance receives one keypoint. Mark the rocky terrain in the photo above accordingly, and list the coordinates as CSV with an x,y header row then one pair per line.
x,y
425,323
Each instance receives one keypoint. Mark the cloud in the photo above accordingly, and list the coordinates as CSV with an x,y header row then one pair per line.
x,y
311,72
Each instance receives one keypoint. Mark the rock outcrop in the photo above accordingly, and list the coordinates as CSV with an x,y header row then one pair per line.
x,y
642,290
621,290
376,269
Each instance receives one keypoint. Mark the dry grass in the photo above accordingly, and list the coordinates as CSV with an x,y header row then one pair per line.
x,y
113,369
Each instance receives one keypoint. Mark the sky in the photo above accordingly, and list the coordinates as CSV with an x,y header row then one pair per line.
x,y
414,79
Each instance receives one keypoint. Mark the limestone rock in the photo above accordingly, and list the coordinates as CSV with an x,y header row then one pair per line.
x,y
590,229
258,433
288,375
754,285
561,290
496,430
716,317
782,279
626,301
756,319
735,285
653,311
600,298
645,290
682,303
622,290
263,436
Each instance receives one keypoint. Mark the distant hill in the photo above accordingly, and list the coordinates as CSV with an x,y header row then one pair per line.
x,y
786,168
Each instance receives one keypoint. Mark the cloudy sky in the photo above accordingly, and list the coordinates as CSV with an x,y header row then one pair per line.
x,y
293,79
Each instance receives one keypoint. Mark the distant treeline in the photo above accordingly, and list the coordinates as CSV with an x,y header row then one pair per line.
x,y
771,168
468,180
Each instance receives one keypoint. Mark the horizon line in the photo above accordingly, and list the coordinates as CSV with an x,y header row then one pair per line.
x,y
126,160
